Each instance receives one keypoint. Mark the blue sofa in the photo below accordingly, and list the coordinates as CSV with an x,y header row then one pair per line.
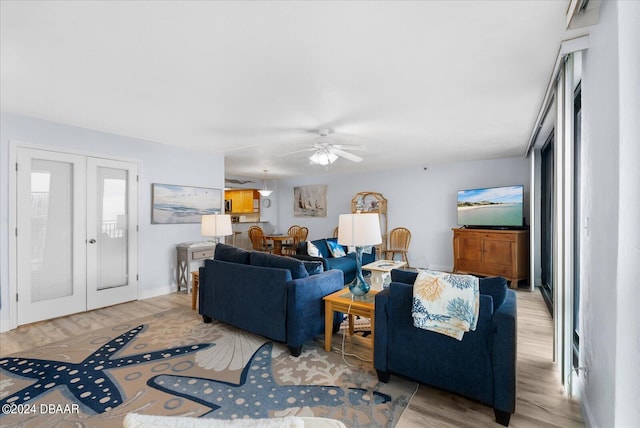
x,y
272,296
347,263
482,366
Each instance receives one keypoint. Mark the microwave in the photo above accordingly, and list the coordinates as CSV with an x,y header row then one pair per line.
x,y
227,206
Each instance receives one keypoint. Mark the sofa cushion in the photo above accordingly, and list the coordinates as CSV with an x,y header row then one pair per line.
x,y
336,249
313,267
345,264
496,287
404,276
295,266
229,253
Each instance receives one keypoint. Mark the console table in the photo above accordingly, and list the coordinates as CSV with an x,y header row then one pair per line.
x,y
191,252
492,253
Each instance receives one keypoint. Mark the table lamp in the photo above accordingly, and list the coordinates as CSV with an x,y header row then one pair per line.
x,y
359,230
216,225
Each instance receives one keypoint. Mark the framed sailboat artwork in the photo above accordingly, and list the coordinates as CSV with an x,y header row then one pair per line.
x,y
310,201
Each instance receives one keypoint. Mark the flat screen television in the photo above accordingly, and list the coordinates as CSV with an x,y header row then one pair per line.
x,y
491,207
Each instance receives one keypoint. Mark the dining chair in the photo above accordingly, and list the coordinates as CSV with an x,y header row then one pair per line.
x,y
258,242
289,248
399,240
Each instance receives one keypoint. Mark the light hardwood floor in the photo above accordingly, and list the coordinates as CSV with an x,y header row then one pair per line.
x,y
540,400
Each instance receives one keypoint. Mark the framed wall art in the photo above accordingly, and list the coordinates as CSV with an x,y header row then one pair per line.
x,y
172,204
310,201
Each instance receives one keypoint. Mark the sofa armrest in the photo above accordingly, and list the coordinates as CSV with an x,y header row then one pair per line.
x,y
504,354
381,332
305,307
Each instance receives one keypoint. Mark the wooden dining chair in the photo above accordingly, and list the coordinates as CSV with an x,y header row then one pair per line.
x,y
258,242
399,240
335,232
289,248
303,234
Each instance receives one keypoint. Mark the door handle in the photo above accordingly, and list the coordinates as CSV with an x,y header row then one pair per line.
x,y
92,241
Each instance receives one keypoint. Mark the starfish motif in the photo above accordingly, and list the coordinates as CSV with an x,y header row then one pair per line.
x,y
257,393
87,380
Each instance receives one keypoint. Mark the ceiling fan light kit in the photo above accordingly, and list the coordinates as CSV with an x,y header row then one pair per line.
x,y
264,191
323,157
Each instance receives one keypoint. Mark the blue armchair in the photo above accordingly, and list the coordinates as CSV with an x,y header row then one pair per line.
x,y
482,366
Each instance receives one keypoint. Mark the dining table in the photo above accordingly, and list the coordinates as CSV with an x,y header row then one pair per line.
x,y
278,240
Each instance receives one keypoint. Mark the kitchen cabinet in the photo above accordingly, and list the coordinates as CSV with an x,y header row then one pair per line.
x,y
243,200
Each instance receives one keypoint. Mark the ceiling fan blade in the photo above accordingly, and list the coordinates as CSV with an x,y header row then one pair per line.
x,y
356,147
297,151
347,155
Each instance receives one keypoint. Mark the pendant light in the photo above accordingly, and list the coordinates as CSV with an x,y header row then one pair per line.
x,y
264,191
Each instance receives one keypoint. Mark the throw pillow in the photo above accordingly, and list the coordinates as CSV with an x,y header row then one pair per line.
x,y
312,250
313,268
336,249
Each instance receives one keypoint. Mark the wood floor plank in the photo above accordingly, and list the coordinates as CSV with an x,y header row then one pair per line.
x,y
540,399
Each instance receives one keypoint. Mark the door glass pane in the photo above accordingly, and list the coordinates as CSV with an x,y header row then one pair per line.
x,y
51,229
547,223
113,233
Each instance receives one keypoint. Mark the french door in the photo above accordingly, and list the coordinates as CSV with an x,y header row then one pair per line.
x,y
76,243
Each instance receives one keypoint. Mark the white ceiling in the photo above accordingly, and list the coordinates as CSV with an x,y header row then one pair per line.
x,y
416,83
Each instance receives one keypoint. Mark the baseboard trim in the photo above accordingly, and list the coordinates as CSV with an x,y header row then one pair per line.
x,y
148,293
5,325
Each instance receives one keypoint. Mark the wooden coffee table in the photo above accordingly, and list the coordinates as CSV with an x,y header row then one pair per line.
x,y
381,272
341,301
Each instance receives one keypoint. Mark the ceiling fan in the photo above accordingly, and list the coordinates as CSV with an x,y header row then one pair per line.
x,y
327,152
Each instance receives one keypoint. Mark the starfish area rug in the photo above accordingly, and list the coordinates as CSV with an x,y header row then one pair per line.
x,y
173,364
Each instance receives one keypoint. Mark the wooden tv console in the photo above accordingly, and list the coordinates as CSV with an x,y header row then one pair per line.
x,y
487,252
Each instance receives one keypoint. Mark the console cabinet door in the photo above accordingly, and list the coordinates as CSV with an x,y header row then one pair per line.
x,y
492,253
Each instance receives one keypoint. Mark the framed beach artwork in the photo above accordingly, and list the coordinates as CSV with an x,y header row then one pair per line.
x,y
173,204
310,201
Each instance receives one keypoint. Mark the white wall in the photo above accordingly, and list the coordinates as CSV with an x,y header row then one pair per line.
x,y
423,201
159,163
610,292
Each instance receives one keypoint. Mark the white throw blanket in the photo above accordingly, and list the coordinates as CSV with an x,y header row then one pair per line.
x,y
445,303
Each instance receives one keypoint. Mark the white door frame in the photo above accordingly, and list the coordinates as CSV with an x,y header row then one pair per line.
x,y
13,147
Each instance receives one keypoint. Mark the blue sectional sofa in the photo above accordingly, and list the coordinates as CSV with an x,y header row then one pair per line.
x,y
272,296
482,366
347,263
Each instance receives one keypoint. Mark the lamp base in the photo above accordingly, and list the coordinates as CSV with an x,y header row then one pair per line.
x,y
359,288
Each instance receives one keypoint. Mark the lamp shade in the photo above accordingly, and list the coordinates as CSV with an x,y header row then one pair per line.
x,y
216,225
359,229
